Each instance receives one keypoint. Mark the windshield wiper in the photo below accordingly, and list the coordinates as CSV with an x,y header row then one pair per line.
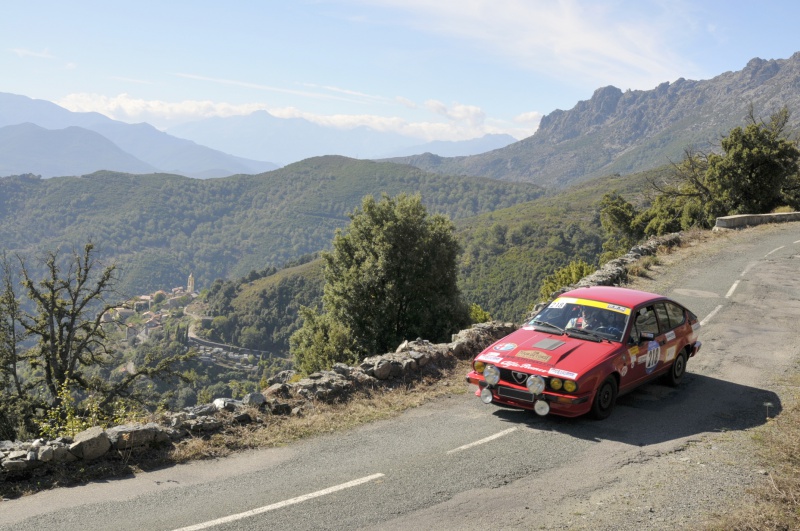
x,y
551,325
587,333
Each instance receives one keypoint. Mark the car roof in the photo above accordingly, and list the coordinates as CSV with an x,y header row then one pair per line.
x,y
614,295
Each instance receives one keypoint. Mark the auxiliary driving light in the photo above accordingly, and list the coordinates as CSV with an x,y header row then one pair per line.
x,y
570,386
486,395
491,374
541,408
535,384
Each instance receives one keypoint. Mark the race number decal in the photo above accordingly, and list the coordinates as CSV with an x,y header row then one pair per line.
x,y
652,357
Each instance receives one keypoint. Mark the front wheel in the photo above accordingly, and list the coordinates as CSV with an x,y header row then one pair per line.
x,y
605,399
676,372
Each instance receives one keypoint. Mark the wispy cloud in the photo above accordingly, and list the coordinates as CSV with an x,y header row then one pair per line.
x,y
347,92
594,43
267,88
132,80
22,52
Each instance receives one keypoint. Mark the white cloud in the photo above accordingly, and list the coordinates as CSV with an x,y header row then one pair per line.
x,y
22,52
463,121
159,113
406,102
533,117
469,114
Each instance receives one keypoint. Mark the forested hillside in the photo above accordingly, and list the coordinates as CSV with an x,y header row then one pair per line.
x,y
507,254
161,227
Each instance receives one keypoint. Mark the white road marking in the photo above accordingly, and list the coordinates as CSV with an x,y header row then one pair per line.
x,y
775,250
279,505
747,269
709,316
482,441
733,288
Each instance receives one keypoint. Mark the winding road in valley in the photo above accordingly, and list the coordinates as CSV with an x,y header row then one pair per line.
x,y
665,459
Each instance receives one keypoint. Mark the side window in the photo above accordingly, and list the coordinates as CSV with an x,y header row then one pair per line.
x,y
676,315
663,317
645,322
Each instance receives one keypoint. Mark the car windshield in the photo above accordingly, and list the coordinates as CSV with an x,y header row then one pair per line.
x,y
603,320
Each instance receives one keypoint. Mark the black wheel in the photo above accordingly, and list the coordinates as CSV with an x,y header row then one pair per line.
x,y
678,369
605,398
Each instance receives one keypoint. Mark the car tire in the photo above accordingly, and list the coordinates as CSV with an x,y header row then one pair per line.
x,y
605,398
676,372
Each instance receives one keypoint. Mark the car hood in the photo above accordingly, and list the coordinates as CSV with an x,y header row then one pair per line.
x,y
528,350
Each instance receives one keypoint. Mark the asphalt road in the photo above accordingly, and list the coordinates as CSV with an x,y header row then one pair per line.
x,y
664,457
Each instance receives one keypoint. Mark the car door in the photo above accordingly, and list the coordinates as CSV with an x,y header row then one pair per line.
x,y
668,338
644,350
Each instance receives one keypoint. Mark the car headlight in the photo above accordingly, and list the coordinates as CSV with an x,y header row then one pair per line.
x,y
570,386
535,384
479,366
491,374
556,384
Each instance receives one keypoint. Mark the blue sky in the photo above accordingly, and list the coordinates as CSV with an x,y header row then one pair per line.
x,y
432,69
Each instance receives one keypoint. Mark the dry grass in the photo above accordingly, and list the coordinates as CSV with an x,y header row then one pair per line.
x,y
644,264
319,418
777,502
266,431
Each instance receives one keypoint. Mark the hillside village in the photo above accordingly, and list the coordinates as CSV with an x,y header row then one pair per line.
x,y
145,317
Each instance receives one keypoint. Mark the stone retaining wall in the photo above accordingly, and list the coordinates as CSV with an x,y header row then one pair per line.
x,y
747,220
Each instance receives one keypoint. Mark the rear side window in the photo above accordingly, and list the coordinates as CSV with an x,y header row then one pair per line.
x,y
646,321
663,317
676,315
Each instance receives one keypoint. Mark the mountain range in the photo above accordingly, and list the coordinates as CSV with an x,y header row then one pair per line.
x,y
42,138
635,130
613,132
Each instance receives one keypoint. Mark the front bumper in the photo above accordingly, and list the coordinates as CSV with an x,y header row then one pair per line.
x,y
517,396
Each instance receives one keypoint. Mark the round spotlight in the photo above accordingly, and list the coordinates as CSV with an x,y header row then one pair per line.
x,y
541,408
491,374
535,384
486,395
479,366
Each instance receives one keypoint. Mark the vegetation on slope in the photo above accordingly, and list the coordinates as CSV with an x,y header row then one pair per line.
x,y
159,228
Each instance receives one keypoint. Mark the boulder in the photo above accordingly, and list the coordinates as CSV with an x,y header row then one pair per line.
x,y
90,444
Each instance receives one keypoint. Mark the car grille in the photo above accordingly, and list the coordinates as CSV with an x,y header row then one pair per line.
x,y
508,376
515,394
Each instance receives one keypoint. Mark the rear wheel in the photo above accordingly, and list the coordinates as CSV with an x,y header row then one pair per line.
x,y
605,398
678,369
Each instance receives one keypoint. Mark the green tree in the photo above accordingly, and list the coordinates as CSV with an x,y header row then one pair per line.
x,y
391,275
755,172
758,168
320,342
71,353
618,218
566,276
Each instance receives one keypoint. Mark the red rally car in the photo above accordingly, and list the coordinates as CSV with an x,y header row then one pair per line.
x,y
584,349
